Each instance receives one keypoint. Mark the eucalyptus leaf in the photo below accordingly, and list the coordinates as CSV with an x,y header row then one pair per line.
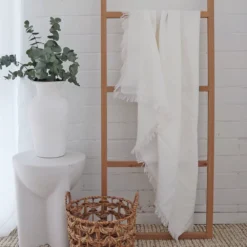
x,y
26,24
52,20
72,57
8,77
66,50
40,65
55,27
74,69
53,45
58,20
47,50
20,73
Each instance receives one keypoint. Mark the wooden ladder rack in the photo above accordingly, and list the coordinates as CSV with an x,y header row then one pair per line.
x,y
209,89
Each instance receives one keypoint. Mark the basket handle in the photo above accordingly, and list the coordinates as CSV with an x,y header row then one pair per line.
x,y
68,198
136,201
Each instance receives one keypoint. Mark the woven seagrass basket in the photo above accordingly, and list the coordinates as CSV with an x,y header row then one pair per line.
x,y
101,221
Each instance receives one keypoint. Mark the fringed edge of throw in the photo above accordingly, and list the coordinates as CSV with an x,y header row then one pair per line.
x,y
136,151
158,211
142,144
118,94
188,227
124,54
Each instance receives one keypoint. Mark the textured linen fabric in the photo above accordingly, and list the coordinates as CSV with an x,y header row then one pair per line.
x,y
161,73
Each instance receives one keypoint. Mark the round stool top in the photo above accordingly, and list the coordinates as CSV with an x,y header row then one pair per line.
x,y
29,158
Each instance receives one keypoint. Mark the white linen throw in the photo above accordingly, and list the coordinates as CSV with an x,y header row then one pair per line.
x,y
161,73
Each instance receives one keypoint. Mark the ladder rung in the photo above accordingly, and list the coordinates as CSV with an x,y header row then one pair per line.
x,y
110,89
167,236
201,163
112,15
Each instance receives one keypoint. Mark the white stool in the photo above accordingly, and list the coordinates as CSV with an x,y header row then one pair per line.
x,y
40,189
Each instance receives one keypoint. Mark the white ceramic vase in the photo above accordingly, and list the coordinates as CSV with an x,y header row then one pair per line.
x,y
48,115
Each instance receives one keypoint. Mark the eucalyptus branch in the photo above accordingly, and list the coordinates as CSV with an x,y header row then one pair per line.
x,y
33,34
24,65
46,63
34,38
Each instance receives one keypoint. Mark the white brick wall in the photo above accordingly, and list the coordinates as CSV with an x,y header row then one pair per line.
x,y
81,31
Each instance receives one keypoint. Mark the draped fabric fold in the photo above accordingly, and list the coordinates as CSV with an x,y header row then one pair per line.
x,y
9,44
161,73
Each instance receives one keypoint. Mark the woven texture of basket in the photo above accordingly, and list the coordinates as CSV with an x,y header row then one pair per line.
x,y
101,221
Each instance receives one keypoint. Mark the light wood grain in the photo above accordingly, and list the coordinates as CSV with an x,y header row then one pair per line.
x,y
201,163
103,98
115,15
211,119
110,89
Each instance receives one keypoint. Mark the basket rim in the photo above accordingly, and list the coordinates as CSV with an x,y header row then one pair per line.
x,y
88,222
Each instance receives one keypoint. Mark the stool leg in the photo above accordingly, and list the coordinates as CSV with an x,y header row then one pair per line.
x,y
56,217
31,217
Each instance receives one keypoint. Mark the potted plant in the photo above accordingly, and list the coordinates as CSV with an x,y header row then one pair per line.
x,y
49,66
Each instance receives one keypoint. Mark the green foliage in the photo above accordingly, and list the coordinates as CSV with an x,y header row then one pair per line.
x,y
46,59
33,35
